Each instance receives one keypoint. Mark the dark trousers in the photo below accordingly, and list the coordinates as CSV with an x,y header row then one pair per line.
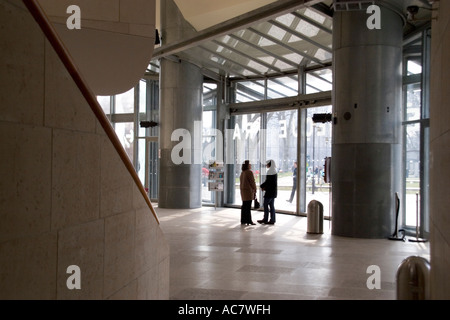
x,y
294,188
246,213
269,207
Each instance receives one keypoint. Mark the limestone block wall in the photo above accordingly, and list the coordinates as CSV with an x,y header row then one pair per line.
x,y
440,152
66,197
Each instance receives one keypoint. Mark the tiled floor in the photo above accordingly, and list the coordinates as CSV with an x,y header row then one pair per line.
x,y
214,257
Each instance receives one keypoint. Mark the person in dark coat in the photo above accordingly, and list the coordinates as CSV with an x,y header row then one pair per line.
x,y
294,182
270,188
248,192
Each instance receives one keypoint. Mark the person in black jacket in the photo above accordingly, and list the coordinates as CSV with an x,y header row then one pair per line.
x,y
270,188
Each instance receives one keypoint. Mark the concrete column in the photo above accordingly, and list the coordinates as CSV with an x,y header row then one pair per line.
x,y
180,109
367,153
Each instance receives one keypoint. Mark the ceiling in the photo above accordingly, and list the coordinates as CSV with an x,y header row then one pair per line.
x,y
202,14
254,39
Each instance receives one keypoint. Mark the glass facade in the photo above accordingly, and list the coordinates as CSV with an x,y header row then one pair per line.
x,y
282,87
302,37
320,80
210,139
247,91
318,148
124,103
281,146
246,142
105,103
126,112
286,135
416,133
125,132
289,137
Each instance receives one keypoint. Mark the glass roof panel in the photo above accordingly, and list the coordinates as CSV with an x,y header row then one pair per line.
x,y
287,19
282,65
276,32
307,29
294,39
249,91
264,42
325,73
241,58
268,59
282,87
300,38
317,83
322,55
294,58
314,15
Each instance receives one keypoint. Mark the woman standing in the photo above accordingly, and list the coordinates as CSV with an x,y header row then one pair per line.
x,y
248,192
270,186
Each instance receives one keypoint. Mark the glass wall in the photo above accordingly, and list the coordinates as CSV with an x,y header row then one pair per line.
x,y
141,105
120,109
416,133
209,138
247,91
126,111
318,148
282,87
281,146
272,88
124,103
319,80
147,138
275,135
106,103
246,141
125,132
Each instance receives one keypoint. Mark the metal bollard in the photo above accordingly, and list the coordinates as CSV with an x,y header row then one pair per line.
x,y
413,279
315,217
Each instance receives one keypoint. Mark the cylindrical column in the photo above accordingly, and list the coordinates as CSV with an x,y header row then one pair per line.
x,y
366,156
180,117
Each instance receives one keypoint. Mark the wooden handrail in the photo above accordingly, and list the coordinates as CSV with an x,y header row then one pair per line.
x,y
41,18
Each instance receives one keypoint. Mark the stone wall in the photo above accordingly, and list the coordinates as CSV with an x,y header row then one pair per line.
x,y
66,197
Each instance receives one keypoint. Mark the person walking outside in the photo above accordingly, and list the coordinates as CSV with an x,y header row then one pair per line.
x,y
248,192
270,187
294,178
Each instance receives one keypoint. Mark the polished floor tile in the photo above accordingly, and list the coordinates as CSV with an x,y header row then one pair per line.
x,y
214,257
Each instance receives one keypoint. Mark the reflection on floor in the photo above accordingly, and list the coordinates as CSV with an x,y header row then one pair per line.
x,y
213,256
